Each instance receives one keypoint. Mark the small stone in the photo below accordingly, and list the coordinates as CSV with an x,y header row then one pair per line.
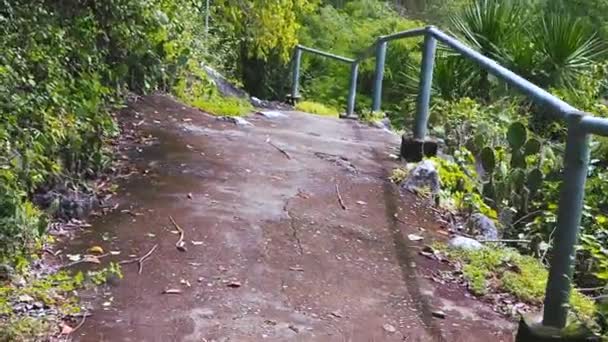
x,y
25,298
6,272
389,328
438,314
461,242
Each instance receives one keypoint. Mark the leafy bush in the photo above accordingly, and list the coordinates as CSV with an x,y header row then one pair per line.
x,y
64,66
316,108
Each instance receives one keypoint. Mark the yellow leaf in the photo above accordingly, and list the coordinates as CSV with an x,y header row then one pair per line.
x,y
96,250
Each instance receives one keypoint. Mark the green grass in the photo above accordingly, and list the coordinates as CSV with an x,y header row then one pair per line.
x,y
57,291
317,108
223,106
506,270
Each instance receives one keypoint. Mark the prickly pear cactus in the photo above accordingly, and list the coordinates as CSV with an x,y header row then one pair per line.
x,y
508,177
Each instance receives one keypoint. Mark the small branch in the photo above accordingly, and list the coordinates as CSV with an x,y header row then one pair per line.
x,y
84,260
279,149
591,289
340,200
143,258
504,241
180,242
528,215
84,318
140,260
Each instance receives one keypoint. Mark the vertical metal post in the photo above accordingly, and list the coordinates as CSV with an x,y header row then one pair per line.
x,y
379,75
352,88
576,161
424,91
295,82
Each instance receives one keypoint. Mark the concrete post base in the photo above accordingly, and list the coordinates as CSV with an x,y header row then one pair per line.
x,y
531,330
413,150
347,116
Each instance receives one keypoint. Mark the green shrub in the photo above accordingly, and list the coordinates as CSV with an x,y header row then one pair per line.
x,y
65,65
316,108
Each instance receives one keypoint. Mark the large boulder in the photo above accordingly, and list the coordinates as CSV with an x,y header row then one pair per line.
x,y
223,85
465,243
483,226
424,176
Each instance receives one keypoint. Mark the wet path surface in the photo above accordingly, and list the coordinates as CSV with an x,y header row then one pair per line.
x,y
271,255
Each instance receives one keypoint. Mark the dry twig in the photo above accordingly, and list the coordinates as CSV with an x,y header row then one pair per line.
x,y
279,149
180,245
340,200
140,260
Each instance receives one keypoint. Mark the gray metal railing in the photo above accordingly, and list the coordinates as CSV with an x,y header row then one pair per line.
x,y
580,125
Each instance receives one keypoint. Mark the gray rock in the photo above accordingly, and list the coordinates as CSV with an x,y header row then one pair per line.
x,y
6,272
257,102
462,242
272,114
235,120
223,85
481,225
425,175
67,203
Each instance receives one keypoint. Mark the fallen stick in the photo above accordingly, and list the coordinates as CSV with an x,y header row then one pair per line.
x,y
85,260
504,241
340,200
180,245
140,260
278,148
84,318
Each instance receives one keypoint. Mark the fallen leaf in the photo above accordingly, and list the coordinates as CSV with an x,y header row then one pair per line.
x,y
414,237
181,246
74,257
66,329
337,314
172,291
25,298
96,250
270,322
438,314
91,259
234,284
389,328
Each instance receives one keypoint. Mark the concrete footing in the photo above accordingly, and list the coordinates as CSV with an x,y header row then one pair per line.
x,y
531,330
414,150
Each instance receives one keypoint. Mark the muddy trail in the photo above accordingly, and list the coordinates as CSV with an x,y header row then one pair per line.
x,y
291,233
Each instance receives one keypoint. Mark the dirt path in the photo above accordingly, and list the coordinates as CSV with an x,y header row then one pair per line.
x,y
271,255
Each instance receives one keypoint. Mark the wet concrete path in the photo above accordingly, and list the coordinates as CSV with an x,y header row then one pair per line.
x,y
271,255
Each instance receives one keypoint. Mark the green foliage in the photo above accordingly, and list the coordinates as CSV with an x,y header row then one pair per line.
x,y
346,31
316,108
505,269
65,65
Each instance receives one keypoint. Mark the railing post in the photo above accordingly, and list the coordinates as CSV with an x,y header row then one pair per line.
x,y
379,74
576,161
424,91
295,82
352,89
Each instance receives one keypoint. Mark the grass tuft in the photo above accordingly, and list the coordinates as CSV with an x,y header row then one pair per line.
x,y
317,108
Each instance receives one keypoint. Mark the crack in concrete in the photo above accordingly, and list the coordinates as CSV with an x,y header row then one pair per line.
x,y
294,228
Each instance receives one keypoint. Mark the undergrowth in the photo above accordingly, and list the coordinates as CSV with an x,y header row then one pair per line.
x,y
501,269
317,108
56,293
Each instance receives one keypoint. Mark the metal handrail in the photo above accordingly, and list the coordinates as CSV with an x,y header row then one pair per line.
x,y
576,160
